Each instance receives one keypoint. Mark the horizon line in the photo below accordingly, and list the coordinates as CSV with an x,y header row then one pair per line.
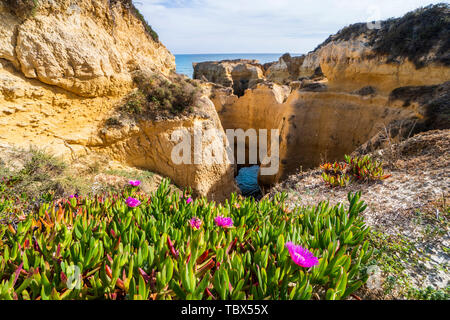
x,y
237,53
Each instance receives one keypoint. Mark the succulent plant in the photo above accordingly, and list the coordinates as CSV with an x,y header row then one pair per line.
x,y
101,248
361,169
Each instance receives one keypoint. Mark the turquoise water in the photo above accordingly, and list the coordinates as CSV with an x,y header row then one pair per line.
x,y
184,61
247,181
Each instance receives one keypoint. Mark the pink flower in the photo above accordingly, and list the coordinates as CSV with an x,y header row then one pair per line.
x,y
135,183
223,222
196,223
132,202
189,200
301,256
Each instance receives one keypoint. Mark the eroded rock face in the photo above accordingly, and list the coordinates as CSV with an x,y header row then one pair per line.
x,y
347,66
409,51
66,66
149,145
313,126
236,74
83,47
358,86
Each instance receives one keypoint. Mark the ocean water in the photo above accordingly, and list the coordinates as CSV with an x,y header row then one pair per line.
x,y
184,61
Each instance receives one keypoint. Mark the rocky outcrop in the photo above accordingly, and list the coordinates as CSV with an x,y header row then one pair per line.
x,y
313,126
236,74
347,66
351,93
408,51
150,145
84,48
286,69
66,66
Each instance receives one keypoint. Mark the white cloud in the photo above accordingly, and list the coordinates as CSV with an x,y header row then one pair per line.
x,y
260,26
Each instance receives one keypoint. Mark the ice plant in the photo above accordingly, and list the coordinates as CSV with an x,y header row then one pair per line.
x,y
196,223
175,253
301,256
223,222
189,200
158,253
134,183
132,202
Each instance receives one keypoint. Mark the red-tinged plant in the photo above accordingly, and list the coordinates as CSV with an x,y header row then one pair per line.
x,y
99,247
355,169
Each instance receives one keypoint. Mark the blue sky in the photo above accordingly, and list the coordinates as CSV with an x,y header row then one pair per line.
x,y
260,26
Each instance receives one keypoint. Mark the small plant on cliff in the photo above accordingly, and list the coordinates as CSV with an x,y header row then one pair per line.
x,y
135,103
24,7
335,174
36,178
354,169
158,96
365,168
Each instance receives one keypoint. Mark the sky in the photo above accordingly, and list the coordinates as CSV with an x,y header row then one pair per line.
x,y
260,26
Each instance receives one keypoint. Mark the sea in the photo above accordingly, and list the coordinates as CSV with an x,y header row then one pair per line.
x,y
184,61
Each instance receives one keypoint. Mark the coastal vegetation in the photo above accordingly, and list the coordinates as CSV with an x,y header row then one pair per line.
x,y
158,96
354,169
129,245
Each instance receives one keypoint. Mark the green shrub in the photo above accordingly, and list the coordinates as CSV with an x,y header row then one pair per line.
x,y
23,7
41,176
416,34
413,36
37,177
157,96
430,294
135,103
97,248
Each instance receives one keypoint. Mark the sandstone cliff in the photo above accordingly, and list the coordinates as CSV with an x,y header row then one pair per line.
x,y
408,51
287,68
350,90
66,66
236,74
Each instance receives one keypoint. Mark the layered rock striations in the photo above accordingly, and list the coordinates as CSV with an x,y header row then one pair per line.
x,y
356,86
236,74
66,66
409,51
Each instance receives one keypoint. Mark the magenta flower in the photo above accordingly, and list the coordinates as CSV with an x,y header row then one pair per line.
x,y
223,222
132,202
135,183
301,256
196,223
189,200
